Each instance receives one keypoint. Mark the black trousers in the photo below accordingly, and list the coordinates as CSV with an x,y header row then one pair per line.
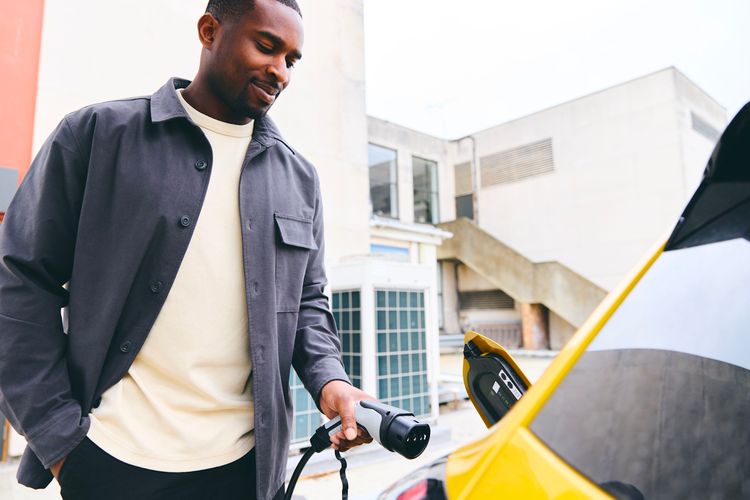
x,y
89,473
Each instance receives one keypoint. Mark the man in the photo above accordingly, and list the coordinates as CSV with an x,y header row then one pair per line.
x,y
184,239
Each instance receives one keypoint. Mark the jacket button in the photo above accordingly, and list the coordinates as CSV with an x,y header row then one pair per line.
x,y
97,403
126,346
200,165
156,286
185,221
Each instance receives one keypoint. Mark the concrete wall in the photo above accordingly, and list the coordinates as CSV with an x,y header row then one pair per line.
x,y
560,331
131,47
451,314
626,163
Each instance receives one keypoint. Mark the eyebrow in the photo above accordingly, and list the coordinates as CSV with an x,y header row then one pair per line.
x,y
276,40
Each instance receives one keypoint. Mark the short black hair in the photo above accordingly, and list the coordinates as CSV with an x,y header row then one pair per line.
x,y
231,10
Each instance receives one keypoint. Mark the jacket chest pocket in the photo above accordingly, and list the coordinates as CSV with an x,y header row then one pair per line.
x,y
292,252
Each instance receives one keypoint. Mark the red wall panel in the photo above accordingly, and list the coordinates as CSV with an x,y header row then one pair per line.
x,y
20,45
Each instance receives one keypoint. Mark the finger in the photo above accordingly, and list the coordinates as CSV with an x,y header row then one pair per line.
x,y
348,422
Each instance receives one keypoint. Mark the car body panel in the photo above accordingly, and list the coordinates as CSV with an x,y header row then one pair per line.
x,y
511,461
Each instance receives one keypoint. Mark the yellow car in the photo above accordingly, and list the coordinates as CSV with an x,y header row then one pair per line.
x,y
651,397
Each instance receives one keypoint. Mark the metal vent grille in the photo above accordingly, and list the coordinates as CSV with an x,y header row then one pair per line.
x,y
490,299
516,164
464,181
704,128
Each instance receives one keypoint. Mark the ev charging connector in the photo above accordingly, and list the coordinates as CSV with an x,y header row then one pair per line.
x,y
395,429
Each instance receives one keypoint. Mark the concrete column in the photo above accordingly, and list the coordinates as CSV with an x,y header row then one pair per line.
x,y
534,324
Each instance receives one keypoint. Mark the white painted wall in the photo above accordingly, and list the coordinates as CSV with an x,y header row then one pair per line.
x,y
95,51
626,163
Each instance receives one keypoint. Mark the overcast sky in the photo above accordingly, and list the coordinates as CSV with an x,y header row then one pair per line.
x,y
453,67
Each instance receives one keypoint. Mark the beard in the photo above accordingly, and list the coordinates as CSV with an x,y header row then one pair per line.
x,y
242,104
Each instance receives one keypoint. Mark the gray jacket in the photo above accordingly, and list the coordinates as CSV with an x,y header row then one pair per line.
x,y
108,208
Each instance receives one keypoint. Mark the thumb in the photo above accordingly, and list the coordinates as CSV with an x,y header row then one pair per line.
x,y
348,422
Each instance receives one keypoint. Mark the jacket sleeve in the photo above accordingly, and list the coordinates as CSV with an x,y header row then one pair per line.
x,y
37,241
317,351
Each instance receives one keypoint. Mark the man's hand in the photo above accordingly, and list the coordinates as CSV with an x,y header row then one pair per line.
x,y
338,398
55,469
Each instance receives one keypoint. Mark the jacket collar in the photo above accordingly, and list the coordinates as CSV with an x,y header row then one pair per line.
x,y
165,105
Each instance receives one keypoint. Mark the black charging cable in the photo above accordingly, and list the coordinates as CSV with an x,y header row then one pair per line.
x,y
395,429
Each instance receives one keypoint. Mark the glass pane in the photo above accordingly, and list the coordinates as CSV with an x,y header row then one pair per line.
x,y
415,362
382,365
382,344
345,300
413,300
405,363
301,425
414,316
421,319
355,300
392,298
392,320
403,317
356,347
405,386
383,180
404,341
345,324
415,384
406,404
424,362
336,300
417,406
393,341
357,382
421,299
337,318
381,320
394,365
424,341
347,363
300,400
465,206
356,366
381,299
355,320
345,347
426,404
395,387
383,388
402,299
414,341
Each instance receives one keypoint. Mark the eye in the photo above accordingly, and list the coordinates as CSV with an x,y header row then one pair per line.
x,y
263,48
290,64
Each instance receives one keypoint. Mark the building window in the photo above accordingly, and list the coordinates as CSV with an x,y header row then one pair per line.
x,y
425,191
347,313
402,350
306,415
383,180
465,206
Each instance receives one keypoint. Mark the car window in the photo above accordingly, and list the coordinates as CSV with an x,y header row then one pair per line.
x,y
658,406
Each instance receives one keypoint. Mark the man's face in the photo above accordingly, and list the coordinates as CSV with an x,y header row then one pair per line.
x,y
252,58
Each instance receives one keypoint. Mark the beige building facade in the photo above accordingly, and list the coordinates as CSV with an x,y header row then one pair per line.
x,y
576,193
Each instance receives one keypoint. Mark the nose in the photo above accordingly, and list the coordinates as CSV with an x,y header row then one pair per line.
x,y
279,71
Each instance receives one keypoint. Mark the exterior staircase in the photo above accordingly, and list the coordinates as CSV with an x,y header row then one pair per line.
x,y
566,293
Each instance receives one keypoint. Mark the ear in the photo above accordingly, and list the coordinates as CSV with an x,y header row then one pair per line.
x,y
208,28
